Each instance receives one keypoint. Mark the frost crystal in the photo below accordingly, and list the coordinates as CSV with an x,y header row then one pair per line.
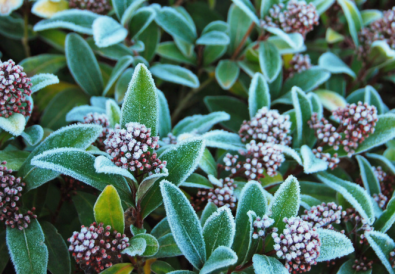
x,y
298,17
129,149
324,215
299,245
96,6
95,248
10,194
298,63
260,225
101,120
268,126
15,86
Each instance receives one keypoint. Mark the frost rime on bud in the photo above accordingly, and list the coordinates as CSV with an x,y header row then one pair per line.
x,y
101,120
324,215
96,6
260,225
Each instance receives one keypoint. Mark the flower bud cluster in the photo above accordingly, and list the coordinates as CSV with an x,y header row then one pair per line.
x,y
299,245
298,63
298,17
260,225
129,149
95,6
170,139
15,86
324,215
10,194
392,258
101,120
268,126
220,195
95,248
231,163
387,181
362,264
360,224
381,200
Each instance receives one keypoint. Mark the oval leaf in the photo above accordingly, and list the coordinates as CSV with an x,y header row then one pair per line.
x,y
333,245
175,74
227,73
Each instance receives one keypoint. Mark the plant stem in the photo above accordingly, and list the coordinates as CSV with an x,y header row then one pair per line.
x,y
242,42
25,39
181,106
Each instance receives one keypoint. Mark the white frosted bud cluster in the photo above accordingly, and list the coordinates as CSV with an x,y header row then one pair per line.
x,y
324,215
101,120
95,6
332,160
15,86
232,163
379,173
95,248
220,195
130,149
267,126
299,245
260,225
387,181
381,200
362,264
298,63
260,157
325,132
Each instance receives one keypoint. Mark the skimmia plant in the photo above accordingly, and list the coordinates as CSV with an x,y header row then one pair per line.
x,y
197,136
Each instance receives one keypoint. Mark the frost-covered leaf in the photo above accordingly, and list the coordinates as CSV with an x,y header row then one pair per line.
x,y
6,7
382,161
269,60
213,38
252,198
48,8
108,209
122,64
43,63
84,203
294,40
123,268
106,166
222,257
387,218
347,268
200,123
333,245
137,247
330,100
75,20
316,105
219,230
42,80
223,139
332,36
77,136
184,224
77,114
58,253
141,19
308,201
258,94
303,110
353,193
33,135
141,100
113,113
161,229
182,160
122,85
169,50
353,17
80,165
136,231
292,153
369,16
152,245
208,210
83,65
368,176
15,124
175,74
268,265
28,251
168,247
107,32
334,64
247,7
148,182
207,163
226,73
14,158
382,244
164,115
312,164
238,22
212,53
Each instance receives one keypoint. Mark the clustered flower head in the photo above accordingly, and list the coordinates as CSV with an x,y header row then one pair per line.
x,y
219,195
101,120
267,126
232,163
362,264
298,17
387,181
15,86
380,199
392,258
324,215
260,225
299,245
129,149
96,6
10,194
298,63
95,248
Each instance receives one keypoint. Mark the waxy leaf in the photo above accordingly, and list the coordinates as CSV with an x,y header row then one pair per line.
x,y
333,245
221,257
152,245
125,268
213,38
258,94
238,22
353,17
164,115
347,268
303,110
382,244
200,123
175,74
330,100
267,265
387,218
33,135
227,73
223,139
15,124
334,64
368,176
269,60
84,203
119,68
42,80
306,80
168,247
14,158
169,50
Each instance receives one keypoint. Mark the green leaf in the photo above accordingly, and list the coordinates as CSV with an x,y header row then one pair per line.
x,y
14,158
119,68
58,253
269,60
108,209
237,110
387,218
152,245
113,113
258,94
107,32
248,8
83,65
238,22
207,163
75,20
200,123
369,179
122,85
13,27
141,101
212,54
311,164
308,201
266,6
175,74
330,100
147,183
222,257
150,37
77,136
347,268
80,165
333,245
15,124
182,160
3,252
382,244
267,265
353,193
334,64
382,161
169,50
332,36
43,63
164,115
168,247
137,247
28,251
252,198
303,110
106,166
219,230
42,80
160,267
55,38
136,231
369,16
227,73
213,38
208,210
129,7
306,80
33,135
84,203
141,19
125,268
294,40
224,140
353,17
184,224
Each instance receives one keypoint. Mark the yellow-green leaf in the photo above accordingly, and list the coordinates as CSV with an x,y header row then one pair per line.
x,y
125,268
47,8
